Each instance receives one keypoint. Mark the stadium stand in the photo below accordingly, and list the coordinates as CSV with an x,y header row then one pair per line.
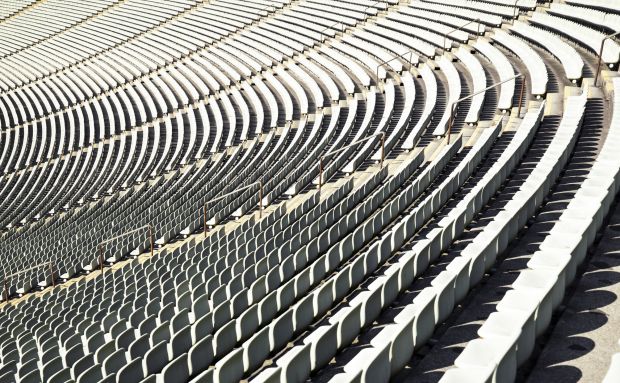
x,y
294,190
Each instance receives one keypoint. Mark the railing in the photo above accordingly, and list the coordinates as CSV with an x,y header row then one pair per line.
x,y
331,27
370,6
410,53
455,103
516,9
7,278
101,245
460,28
236,191
600,56
354,143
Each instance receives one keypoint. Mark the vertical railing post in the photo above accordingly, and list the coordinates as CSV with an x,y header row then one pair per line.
x,y
523,81
516,12
384,63
321,34
101,259
260,199
598,64
151,239
382,149
600,56
445,35
352,144
6,291
52,274
320,172
451,116
451,121
204,218
368,7
245,188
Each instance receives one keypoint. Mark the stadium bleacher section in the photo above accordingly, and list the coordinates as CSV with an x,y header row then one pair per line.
x,y
293,190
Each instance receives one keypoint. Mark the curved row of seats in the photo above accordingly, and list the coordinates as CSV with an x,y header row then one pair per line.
x,y
260,93
147,170
53,363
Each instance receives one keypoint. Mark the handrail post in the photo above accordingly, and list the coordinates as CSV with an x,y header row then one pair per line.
x,y
204,206
598,64
151,233
101,259
600,56
260,199
516,11
451,121
382,149
402,55
52,274
49,265
321,34
151,239
204,218
354,143
320,172
455,103
523,81
445,35
370,6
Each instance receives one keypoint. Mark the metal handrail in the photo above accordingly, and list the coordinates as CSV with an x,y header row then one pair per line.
x,y
8,277
354,143
455,103
150,231
460,28
410,52
370,6
600,55
516,9
330,27
260,201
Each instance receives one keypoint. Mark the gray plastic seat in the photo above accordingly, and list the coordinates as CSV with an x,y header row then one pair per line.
x,y
180,320
160,334
62,376
28,367
124,339
95,341
201,355
74,354
181,341
104,351
52,367
176,371
32,377
114,362
139,347
156,358
132,372
91,375
83,364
